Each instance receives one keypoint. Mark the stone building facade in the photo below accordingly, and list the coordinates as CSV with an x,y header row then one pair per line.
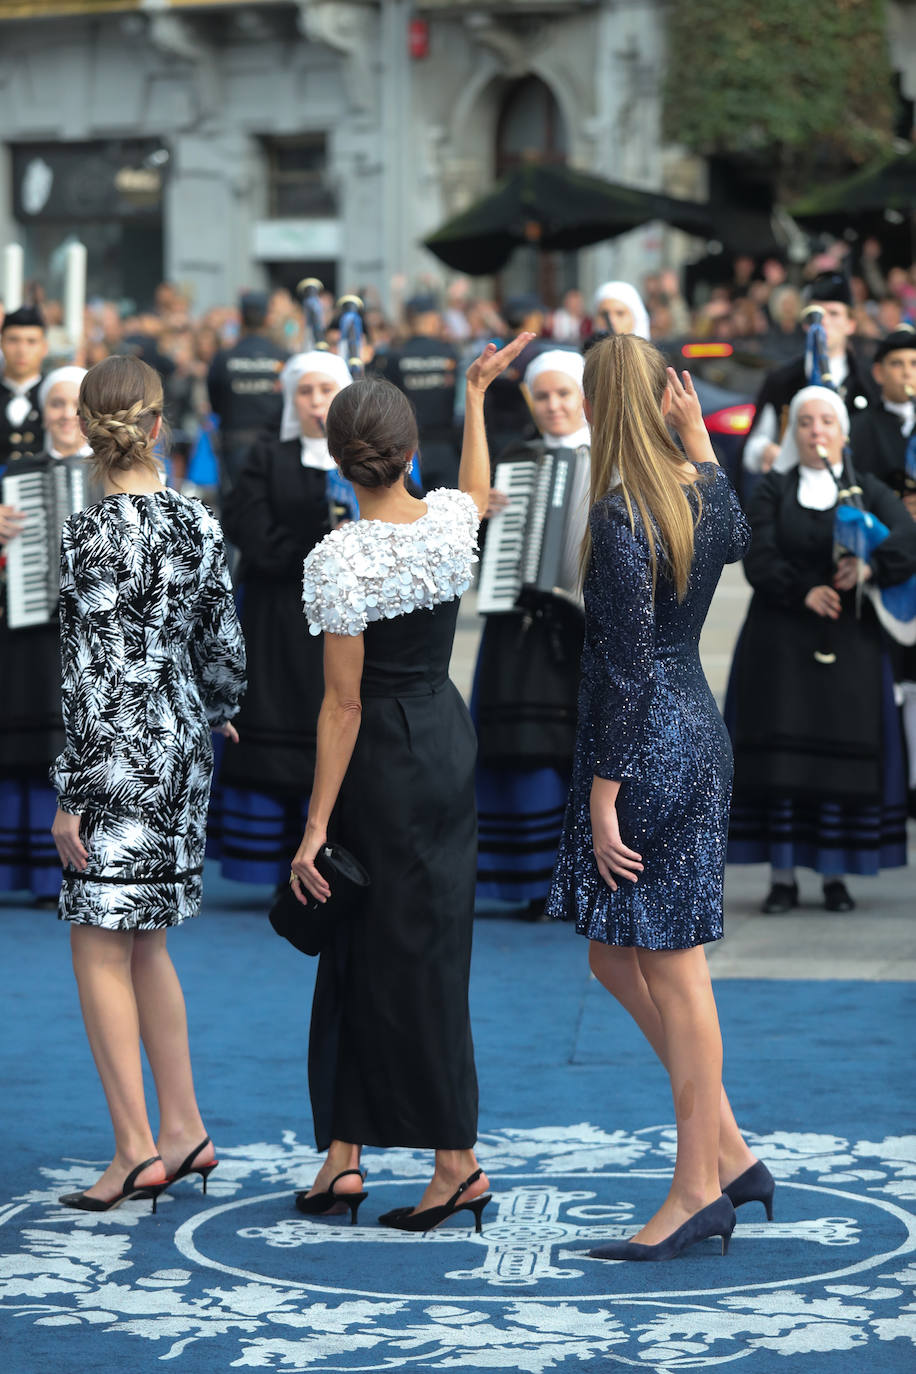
x,y
226,145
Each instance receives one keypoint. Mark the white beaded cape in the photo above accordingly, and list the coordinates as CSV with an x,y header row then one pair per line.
x,y
374,570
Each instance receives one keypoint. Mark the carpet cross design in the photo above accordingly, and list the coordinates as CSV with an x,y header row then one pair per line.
x,y
532,1223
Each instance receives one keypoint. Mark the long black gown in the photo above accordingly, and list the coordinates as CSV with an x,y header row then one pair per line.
x,y
391,1059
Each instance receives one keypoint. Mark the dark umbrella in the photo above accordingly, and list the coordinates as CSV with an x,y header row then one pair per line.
x,y
553,207
886,185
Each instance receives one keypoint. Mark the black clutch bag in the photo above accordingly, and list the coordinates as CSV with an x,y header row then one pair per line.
x,y
307,925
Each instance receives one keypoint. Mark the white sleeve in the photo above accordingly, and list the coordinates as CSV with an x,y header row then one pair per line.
x,y
765,432
333,597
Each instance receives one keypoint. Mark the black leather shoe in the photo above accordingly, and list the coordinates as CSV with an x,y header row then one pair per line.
x,y
781,897
836,896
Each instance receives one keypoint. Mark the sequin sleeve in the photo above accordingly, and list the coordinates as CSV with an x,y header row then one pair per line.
x,y
620,640
740,540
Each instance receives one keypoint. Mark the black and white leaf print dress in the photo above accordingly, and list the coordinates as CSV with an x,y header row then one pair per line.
x,y
152,658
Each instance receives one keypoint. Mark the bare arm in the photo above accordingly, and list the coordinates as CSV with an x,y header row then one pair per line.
x,y
474,472
338,728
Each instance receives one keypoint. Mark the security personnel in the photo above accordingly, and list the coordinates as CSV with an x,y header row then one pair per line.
x,y
24,344
881,435
244,387
425,368
831,292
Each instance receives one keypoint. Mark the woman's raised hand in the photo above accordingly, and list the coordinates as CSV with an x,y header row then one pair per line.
x,y
493,361
685,412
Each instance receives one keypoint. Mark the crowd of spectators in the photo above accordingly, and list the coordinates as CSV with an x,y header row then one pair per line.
x,y
759,305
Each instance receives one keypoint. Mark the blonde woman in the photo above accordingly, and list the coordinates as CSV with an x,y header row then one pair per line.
x,y
152,659
641,861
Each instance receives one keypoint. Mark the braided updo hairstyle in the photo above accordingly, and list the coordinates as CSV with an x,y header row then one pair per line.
x,y
119,403
372,432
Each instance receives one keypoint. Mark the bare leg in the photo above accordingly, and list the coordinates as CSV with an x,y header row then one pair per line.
x,y
101,962
164,1028
679,985
341,1155
452,1168
617,969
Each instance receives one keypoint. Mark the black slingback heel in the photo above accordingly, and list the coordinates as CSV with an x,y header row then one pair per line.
x,y
406,1219
189,1167
322,1204
130,1190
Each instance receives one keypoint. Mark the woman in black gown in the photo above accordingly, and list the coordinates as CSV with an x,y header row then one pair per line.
x,y
278,510
391,1060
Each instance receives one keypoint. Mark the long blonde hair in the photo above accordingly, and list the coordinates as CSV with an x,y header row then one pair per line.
x,y
624,382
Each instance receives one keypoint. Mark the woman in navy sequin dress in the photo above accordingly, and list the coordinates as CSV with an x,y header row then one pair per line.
x,y
641,862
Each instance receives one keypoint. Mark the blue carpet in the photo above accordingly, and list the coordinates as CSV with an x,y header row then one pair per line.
x,y
576,1137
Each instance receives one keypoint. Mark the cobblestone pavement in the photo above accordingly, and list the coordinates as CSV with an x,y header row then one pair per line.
x,y
876,942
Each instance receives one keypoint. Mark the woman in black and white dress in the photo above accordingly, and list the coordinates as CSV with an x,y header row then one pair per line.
x,y
152,660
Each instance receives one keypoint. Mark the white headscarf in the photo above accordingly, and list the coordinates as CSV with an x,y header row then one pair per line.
x,y
627,295
788,451
60,374
319,360
556,360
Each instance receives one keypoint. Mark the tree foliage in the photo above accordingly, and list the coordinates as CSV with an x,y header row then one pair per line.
x,y
799,84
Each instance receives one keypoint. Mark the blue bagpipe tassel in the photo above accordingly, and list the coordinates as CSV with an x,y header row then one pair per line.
x,y
203,469
860,532
341,497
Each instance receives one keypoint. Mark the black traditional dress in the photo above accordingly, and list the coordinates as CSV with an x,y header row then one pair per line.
x,y
524,706
31,737
818,748
152,658
391,1061
276,513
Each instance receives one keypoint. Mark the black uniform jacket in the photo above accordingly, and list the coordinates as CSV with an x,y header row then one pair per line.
x,y
25,440
879,445
425,369
243,383
806,698
275,515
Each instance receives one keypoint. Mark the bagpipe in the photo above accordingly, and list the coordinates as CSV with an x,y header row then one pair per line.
x,y
342,502
857,531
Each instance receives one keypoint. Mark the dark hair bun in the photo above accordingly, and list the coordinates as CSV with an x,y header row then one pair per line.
x,y
359,462
372,432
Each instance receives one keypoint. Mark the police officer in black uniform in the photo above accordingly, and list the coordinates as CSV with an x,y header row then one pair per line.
x,y
24,345
244,387
425,368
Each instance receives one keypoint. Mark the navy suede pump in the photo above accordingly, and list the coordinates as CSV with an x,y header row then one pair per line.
x,y
718,1219
756,1184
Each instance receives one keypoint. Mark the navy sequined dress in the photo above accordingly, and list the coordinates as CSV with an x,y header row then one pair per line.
x,y
648,719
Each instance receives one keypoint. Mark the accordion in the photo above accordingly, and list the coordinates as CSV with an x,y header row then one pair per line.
x,y
526,542
47,491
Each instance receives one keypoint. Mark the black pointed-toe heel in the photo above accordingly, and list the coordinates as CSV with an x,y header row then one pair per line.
x,y
321,1204
406,1219
756,1184
129,1190
189,1167
718,1219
